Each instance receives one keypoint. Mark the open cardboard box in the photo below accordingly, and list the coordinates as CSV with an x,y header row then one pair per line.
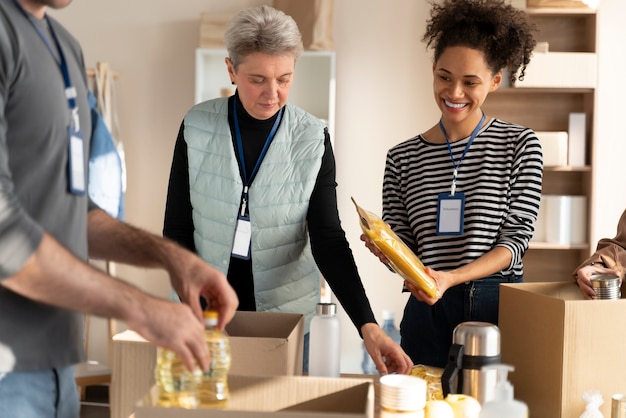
x,y
279,397
262,343
561,346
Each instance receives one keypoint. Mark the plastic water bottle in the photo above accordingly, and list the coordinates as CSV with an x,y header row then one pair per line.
x,y
325,342
368,364
389,326
390,329
213,388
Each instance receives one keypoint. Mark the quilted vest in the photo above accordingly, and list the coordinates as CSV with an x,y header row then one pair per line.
x,y
286,277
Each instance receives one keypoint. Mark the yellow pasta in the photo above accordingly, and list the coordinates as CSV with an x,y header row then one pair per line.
x,y
401,258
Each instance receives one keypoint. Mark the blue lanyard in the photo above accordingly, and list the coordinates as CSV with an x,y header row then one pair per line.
x,y
70,92
248,180
467,147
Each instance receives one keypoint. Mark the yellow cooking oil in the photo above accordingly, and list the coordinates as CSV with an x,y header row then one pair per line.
x,y
213,389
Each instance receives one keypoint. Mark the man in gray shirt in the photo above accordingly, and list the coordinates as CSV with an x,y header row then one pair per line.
x,y
48,227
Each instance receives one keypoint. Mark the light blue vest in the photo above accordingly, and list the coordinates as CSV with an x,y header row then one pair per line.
x,y
286,277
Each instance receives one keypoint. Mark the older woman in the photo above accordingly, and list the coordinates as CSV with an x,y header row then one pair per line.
x,y
252,188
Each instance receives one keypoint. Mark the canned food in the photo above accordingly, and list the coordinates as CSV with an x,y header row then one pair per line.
x,y
618,406
606,286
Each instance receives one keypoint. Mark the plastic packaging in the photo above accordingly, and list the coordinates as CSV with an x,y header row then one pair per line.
x,y
594,400
389,327
325,342
213,388
401,258
503,405
432,376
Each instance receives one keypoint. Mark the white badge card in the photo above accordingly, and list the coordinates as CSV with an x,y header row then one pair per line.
x,y
450,210
76,162
243,237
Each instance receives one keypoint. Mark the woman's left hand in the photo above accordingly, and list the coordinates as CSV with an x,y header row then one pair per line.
x,y
442,280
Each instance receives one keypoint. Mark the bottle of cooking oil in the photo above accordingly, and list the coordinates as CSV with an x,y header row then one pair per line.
x,y
178,386
213,389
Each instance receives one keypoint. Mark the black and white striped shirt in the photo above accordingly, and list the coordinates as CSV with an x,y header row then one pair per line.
x,y
501,177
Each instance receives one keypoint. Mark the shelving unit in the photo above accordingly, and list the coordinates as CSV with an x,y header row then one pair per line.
x,y
548,109
313,87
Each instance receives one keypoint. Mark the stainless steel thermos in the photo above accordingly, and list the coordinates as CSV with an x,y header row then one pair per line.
x,y
474,345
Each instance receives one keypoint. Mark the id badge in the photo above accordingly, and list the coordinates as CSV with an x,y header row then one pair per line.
x,y
243,237
450,210
76,161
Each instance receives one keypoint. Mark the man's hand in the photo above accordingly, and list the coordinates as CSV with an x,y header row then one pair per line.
x,y
191,278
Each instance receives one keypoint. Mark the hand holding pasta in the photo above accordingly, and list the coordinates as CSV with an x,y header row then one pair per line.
x,y
401,258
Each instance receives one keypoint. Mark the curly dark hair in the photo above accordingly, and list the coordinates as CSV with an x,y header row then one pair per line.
x,y
503,33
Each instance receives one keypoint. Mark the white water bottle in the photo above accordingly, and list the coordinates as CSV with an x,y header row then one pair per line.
x,y
325,342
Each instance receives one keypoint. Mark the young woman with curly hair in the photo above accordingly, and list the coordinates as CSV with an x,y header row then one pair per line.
x,y
464,194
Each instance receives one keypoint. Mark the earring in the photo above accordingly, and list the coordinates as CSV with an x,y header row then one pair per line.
x,y
232,82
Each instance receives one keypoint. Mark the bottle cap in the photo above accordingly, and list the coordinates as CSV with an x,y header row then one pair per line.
x,y
326,309
211,317
387,314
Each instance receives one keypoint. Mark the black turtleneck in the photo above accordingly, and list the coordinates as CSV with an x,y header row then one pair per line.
x,y
328,241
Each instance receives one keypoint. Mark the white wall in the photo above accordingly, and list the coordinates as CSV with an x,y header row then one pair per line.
x,y
384,96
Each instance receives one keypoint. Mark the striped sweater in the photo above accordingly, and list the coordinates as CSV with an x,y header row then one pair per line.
x,y
501,177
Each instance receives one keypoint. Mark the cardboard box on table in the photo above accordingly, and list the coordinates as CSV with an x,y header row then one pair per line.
x,y
279,397
262,344
562,346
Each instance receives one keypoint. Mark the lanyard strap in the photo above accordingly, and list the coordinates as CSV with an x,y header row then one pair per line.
x,y
70,92
467,147
248,180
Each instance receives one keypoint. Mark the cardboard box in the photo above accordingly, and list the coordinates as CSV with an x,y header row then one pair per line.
x,y
266,343
554,147
262,344
562,346
560,69
279,397
212,29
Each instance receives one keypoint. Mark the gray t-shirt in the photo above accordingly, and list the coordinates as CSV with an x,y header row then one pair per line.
x,y
34,196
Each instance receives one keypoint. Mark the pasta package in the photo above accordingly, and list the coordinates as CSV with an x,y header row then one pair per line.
x,y
432,376
401,259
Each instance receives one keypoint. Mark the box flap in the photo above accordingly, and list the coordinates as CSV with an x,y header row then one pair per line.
x,y
343,403
532,343
264,324
279,396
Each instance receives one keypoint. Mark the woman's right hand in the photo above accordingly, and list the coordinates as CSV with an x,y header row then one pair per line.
x,y
374,250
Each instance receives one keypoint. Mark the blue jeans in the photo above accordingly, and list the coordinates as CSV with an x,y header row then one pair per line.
x,y
427,330
49,393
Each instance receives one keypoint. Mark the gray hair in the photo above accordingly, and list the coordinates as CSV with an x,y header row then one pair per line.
x,y
262,29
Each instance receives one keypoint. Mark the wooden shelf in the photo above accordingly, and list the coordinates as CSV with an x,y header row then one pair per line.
x,y
552,246
561,11
548,109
